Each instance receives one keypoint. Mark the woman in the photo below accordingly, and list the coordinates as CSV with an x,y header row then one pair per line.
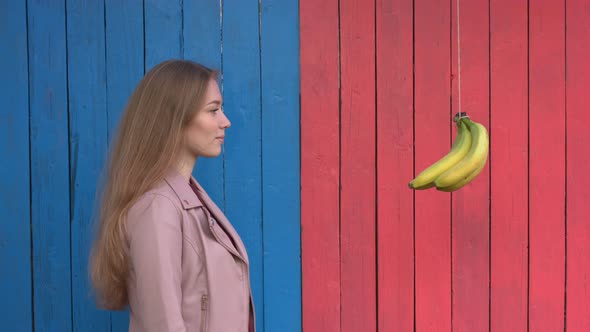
x,y
163,247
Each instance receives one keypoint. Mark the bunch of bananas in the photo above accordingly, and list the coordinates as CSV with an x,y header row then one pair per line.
x,y
462,164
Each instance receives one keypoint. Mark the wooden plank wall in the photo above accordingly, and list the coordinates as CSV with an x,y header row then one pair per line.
x,y
69,67
509,227
381,81
15,180
577,71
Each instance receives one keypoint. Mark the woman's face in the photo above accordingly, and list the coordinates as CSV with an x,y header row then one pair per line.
x,y
206,130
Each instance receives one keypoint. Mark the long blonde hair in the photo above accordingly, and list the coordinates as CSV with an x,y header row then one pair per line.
x,y
149,137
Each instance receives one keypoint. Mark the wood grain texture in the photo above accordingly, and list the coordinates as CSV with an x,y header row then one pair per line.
x,y
395,165
509,146
547,165
470,205
358,174
279,56
578,159
50,204
163,31
88,145
320,165
432,140
16,305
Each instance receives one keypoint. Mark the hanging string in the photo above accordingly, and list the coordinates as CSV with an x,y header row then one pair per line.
x,y
460,114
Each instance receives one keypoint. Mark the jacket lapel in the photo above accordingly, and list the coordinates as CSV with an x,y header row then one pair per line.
x,y
222,219
189,200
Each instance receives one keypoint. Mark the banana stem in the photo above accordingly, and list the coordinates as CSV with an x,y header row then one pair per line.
x,y
459,116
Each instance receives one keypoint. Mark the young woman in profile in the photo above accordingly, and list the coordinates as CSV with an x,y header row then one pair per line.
x,y
163,247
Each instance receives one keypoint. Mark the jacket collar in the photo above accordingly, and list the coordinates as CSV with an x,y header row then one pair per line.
x,y
189,200
222,219
183,190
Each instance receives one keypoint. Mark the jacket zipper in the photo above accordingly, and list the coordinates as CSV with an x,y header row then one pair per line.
x,y
246,278
231,250
218,238
204,308
251,308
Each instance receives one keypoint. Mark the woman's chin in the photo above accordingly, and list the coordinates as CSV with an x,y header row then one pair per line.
x,y
211,154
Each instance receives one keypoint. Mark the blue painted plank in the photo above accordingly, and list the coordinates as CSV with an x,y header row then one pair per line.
x,y
50,204
88,142
124,55
202,32
163,31
202,43
15,236
280,164
125,65
241,90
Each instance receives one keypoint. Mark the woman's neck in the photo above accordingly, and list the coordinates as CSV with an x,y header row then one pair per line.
x,y
185,167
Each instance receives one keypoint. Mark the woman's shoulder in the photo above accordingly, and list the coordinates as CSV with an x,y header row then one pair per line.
x,y
158,204
161,192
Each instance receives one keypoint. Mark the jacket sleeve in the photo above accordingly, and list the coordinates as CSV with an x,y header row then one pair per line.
x,y
155,249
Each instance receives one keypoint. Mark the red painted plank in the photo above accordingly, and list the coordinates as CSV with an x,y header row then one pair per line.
x,y
578,159
320,165
547,165
470,205
358,267
395,263
432,140
509,146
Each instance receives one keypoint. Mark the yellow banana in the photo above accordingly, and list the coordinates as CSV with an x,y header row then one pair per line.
x,y
460,148
472,160
466,180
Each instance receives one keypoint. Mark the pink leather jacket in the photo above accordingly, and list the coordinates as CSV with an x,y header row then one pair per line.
x,y
189,267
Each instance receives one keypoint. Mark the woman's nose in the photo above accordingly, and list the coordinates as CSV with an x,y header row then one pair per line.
x,y
225,122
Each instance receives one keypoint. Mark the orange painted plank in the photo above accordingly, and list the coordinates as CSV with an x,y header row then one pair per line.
x,y
509,146
395,215
320,165
357,218
470,205
578,159
547,165
432,139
